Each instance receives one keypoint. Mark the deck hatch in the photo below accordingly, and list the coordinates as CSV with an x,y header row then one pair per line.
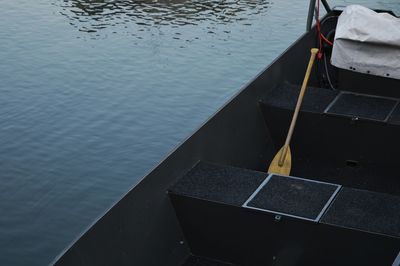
x,y
362,106
293,196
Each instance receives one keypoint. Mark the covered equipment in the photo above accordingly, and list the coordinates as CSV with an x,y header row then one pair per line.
x,y
367,42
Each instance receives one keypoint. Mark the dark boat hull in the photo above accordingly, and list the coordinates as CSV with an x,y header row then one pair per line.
x,y
143,229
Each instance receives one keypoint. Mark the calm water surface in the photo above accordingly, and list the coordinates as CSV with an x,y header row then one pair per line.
x,y
93,93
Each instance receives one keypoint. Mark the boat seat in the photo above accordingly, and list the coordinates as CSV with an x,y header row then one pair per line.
x,y
246,217
330,141
344,104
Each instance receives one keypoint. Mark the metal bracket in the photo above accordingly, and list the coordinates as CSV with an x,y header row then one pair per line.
x,y
311,10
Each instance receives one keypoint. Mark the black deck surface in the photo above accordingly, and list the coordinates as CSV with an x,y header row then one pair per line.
x,y
199,261
365,210
285,96
298,197
223,184
368,107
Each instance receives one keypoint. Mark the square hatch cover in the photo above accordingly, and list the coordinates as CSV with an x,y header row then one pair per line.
x,y
293,196
362,106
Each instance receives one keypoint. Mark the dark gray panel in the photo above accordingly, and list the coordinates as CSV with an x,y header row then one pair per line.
x,y
365,210
225,184
285,96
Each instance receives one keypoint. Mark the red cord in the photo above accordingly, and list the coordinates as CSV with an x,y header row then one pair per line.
x,y
326,40
321,37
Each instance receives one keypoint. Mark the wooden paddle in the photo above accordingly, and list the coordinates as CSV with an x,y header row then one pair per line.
x,y
282,162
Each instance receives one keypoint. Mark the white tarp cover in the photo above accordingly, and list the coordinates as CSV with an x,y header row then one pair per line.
x,y
367,42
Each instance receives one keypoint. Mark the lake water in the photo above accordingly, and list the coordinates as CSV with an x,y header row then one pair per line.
x,y
94,93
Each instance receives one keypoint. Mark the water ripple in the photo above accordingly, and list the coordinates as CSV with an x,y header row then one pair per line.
x,y
95,15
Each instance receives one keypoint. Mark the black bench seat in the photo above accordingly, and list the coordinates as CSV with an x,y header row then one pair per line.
x,y
245,217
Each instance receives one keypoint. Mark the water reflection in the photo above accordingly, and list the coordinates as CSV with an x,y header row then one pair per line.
x,y
95,15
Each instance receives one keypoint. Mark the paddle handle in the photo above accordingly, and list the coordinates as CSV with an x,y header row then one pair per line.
x,y
314,52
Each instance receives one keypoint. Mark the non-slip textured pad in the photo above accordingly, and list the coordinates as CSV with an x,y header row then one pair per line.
x,y
367,107
298,197
285,96
365,210
219,183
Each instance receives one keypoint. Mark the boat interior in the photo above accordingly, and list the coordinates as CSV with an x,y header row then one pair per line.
x,y
344,179
340,204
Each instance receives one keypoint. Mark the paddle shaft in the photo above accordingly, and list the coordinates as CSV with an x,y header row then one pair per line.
x,y
314,51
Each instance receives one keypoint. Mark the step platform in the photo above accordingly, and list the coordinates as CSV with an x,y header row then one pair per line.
x,y
331,135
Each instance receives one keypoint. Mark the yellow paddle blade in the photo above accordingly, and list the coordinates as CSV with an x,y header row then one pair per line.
x,y
275,168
